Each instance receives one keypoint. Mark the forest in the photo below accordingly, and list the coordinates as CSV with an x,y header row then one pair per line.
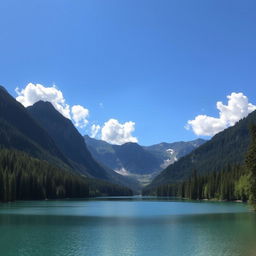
x,y
231,183
234,182
225,149
26,178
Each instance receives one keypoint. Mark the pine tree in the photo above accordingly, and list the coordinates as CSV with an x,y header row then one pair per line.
x,y
25,178
250,163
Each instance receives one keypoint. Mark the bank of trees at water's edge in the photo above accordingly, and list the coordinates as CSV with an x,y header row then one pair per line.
x,y
26,178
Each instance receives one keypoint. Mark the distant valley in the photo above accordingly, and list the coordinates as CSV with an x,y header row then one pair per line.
x,y
141,163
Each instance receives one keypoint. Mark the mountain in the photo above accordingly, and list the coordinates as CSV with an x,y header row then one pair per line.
x,y
226,148
168,153
129,158
18,130
103,152
32,166
136,159
71,143
67,138
133,159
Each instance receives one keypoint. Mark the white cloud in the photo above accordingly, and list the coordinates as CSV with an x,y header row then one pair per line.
x,y
112,131
116,133
35,92
80,115
238,107
95,130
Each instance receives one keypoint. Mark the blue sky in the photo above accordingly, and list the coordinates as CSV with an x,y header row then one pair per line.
x,y
156,63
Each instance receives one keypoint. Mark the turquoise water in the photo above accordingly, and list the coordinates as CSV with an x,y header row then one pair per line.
x,y
126,227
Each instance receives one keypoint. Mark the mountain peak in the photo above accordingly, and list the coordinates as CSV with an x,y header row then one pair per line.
x,y
47,112
46,105
130,144
67,138
3,89
19,130
43,103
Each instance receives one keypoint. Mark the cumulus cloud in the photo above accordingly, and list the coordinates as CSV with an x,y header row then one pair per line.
x,y
238,107
80,115
95,130
35,92
112,131
32,93
116,133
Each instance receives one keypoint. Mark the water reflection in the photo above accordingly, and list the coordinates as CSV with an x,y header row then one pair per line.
x,y
126,227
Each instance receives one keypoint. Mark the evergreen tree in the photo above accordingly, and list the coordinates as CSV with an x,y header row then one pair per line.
x,y
250,163
23,177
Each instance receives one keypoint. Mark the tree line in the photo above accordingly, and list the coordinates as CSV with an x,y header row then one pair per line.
x,y
234,182
26,178
231,183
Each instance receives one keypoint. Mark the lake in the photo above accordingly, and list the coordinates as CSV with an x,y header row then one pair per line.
x,y
126,226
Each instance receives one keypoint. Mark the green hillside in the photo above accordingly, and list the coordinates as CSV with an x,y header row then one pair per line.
x,y
226,148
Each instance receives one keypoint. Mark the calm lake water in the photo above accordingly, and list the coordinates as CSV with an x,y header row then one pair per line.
x,y
126,227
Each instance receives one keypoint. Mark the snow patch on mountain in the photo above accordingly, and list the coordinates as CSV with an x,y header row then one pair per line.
x,y
122,171
171,158
170,151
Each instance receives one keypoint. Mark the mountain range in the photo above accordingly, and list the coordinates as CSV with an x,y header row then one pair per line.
x,y
44,135
140,162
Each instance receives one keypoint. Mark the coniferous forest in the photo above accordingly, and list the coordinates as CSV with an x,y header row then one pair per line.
x,y
26,178
235,182
231,183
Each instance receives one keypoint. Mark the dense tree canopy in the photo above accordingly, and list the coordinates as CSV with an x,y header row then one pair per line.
x,y
234,182
231,183
250,163
25,178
